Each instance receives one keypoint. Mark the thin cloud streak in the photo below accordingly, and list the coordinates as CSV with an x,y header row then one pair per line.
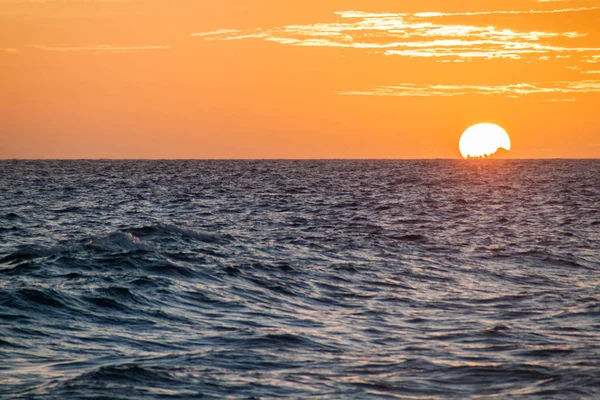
x,y
591,59
511,91
509,12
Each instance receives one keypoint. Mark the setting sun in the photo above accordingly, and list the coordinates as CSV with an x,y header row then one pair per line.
x,y
483,140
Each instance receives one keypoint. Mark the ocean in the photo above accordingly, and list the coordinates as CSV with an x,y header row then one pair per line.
x,y
300,279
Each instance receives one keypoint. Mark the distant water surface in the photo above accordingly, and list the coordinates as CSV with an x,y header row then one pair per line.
x,y
300,279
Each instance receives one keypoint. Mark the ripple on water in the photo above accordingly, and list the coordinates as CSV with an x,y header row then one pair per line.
x,y
299,279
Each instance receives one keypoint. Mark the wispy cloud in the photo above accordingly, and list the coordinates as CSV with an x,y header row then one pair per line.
x,y
97,48
9,50
507,12
425,34
591,59
449,37
566,88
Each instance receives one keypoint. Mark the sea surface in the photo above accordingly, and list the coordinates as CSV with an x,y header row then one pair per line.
x,y
300,279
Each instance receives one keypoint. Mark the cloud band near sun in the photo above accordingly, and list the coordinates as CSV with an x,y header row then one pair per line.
x,y
427,34
562,90
451,37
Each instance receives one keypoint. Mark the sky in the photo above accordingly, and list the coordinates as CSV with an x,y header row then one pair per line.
x,y
254,79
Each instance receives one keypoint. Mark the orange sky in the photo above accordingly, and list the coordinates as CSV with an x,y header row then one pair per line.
x,y
296,78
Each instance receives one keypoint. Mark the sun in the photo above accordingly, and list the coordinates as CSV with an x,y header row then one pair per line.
x,y
483,140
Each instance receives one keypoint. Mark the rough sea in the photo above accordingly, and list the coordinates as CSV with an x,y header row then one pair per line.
x,y
439,279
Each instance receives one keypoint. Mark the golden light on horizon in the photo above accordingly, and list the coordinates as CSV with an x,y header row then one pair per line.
x,y
483,140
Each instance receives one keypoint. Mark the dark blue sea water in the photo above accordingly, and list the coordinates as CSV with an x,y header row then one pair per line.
x,y
300,279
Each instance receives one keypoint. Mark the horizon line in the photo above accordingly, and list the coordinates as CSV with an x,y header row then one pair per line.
x,y
299,159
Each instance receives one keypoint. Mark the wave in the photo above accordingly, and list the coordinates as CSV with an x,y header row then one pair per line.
x,y
29,252
341,279
115,242
127,240
12,216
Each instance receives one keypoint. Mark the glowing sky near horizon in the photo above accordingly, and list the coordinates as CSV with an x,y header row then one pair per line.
x,y
300,79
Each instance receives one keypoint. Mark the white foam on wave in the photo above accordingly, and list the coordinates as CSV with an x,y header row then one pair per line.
x,y
117,241
191,233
